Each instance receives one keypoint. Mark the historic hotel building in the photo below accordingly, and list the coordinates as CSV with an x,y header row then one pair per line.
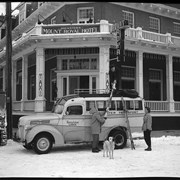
x,y
73,46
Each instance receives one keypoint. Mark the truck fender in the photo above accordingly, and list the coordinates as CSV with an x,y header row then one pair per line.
x,y
58,137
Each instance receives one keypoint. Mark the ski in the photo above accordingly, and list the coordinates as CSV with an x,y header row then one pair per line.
x,y
128,125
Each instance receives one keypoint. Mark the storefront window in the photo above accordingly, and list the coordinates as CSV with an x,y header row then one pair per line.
x,y
79,64
94,63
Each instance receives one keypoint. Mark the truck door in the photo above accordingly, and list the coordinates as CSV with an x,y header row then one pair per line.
x,y
73,123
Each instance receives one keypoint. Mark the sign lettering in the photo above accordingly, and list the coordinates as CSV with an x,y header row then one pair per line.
x,y
70,29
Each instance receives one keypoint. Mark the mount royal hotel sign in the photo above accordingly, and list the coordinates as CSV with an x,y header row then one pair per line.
x,y
71,29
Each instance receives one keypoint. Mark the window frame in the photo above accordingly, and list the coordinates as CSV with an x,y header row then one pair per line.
x,y
151,28
176,23
51,81
128,12
84,19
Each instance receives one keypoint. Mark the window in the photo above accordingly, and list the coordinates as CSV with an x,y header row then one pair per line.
x,y
176,77
154,24
94,63
119,105
72,64
85,15
112,106
155,74
129,105
176,28
21,16
128,72
129,16
101,105
74,110
32,87
19,80
138,105
53,87
53,20
1,79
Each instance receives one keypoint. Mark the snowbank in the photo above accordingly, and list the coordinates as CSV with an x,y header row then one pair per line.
x,y
79,161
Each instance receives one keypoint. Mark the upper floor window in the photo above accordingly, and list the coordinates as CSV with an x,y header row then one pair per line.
x,y
176,28
21,16
53,20
129,16
154,24
85,15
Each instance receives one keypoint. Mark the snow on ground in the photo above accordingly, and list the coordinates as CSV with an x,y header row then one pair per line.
x,y
79,161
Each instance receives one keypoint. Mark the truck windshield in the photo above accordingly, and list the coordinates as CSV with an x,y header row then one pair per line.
x,y
59,104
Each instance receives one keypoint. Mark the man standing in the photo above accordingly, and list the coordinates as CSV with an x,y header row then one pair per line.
x,y
147,128
113,76
97,121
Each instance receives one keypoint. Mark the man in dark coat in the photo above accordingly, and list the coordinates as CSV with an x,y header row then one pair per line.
x,y
113,75
97,121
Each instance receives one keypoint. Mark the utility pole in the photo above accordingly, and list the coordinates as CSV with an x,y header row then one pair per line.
x,y
8,69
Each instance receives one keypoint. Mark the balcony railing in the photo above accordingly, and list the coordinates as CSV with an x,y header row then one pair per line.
x,y
158,106
138,33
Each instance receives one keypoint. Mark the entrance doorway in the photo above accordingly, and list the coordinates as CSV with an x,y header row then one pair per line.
x,y
155,91
78,82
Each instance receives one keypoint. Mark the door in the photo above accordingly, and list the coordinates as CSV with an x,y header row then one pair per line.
x,y
73,124
155,91
78,82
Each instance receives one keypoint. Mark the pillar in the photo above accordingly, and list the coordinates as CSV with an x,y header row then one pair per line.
x,y
169,78
24,80
139,73
40,101
103,66
14,70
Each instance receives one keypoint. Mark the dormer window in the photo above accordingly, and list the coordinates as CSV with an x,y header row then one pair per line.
x,y
85,15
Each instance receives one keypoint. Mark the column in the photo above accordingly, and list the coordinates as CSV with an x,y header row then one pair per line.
x,y
103,66
24,80
14,70
40,101
169,78
139,73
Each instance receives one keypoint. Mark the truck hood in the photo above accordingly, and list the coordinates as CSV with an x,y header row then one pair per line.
x,y
51,118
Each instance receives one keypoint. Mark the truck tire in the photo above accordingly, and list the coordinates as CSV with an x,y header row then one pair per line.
x,y
120,139
42,144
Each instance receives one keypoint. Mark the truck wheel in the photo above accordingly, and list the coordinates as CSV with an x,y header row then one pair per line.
x,y
42,144
120,139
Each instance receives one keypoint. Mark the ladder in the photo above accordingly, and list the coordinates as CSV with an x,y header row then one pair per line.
x,y
128,125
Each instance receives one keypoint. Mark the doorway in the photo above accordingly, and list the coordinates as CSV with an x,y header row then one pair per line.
x,y
78,82
155,91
